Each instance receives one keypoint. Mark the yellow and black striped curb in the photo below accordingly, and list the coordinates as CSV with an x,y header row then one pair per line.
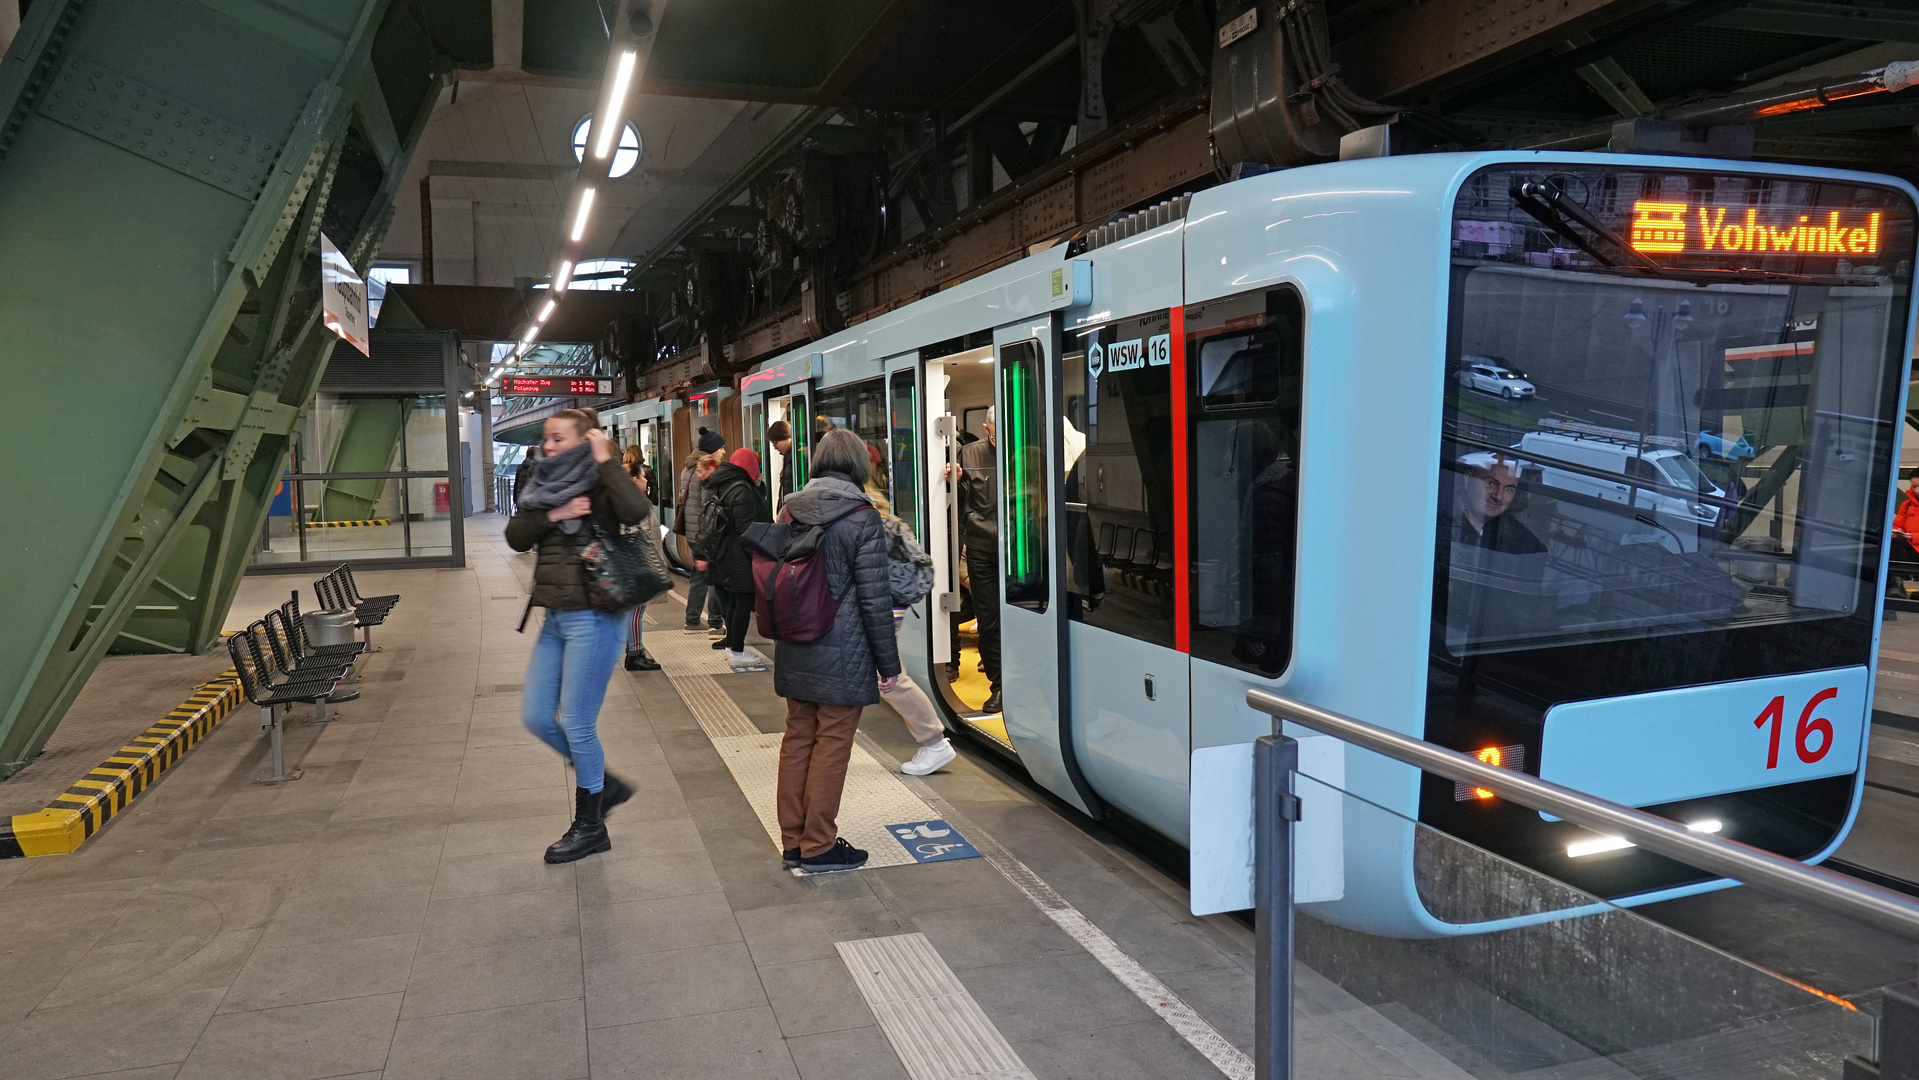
x,y
108,788
347,524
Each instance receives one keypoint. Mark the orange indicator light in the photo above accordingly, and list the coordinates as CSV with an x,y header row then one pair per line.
x,y
1665,227
1658,226
1491,756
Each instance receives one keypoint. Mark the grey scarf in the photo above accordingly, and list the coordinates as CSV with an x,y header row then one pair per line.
x,y
559,479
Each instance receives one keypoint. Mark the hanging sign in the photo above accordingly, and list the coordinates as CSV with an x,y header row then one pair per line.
x,y
343,306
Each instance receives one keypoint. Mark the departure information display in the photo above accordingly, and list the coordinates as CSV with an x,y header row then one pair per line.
x,y
1681,228
555,386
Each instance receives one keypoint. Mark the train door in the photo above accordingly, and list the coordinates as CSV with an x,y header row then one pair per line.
x,y
785,470
1122,537
1032,611
958,398
905,472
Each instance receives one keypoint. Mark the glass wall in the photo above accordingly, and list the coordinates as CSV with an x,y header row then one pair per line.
x,y
368,479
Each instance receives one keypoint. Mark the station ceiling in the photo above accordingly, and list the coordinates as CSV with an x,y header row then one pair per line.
x,y
735,90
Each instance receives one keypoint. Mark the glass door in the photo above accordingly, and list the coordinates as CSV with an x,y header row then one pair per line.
x,y
1032,615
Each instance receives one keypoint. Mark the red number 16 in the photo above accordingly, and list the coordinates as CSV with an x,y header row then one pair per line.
x,y
1808,723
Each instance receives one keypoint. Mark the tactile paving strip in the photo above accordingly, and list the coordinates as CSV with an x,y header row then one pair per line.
x,y
936,1027
718,716
681,653
873,798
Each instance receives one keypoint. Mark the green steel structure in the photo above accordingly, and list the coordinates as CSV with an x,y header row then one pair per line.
x,y
166,170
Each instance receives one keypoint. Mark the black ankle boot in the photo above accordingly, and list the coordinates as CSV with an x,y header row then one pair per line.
x,y
614,792
588,834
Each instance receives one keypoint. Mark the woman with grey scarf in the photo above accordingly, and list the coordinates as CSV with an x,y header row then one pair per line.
x,y
579,480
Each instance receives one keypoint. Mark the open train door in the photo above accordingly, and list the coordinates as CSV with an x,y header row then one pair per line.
x,y
1035,689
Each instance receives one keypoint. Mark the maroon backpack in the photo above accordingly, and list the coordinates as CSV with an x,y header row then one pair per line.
x,y
791,594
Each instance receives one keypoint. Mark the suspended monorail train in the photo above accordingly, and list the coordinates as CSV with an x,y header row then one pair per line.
x,y
1578,463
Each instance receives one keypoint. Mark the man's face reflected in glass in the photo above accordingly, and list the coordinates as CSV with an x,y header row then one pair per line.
x,y
1485,494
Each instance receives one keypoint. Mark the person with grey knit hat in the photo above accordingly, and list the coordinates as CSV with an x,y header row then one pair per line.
x,y
694,500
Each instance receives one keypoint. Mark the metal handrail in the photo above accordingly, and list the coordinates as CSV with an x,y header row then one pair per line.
x,y
1869,904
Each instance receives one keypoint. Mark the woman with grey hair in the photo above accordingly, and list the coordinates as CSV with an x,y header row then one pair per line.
x,y
828,681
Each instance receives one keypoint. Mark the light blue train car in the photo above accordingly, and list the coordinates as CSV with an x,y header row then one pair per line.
x,y
1231,449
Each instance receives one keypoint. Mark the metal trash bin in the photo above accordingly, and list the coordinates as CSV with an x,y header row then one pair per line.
x,y
329,627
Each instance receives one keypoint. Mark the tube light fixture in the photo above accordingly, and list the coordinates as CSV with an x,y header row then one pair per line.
x,y
563,277
547,311
607,129
585,211
1579,849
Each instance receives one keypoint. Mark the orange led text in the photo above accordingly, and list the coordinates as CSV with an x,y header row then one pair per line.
x,y
1667,227
1490,756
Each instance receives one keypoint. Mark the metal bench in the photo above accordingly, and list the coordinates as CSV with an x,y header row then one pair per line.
x,y
268,687
337,592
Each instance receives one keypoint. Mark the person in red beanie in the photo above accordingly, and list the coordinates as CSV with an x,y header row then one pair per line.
x,y
734,489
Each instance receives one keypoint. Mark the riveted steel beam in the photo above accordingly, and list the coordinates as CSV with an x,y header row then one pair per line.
x,y
189,152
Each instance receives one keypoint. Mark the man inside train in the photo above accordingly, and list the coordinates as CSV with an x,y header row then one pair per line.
x,y
1484,486
977,475
780,434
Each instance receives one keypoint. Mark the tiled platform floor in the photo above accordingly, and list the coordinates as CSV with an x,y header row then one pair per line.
x,y
389,914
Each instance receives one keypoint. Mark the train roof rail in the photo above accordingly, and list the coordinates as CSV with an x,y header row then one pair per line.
x,y
1869,904
1610,434
1119,228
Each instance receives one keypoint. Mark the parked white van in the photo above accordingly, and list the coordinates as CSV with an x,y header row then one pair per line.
x,y
1606,469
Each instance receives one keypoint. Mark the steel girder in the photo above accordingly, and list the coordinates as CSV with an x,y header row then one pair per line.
x,y
166,168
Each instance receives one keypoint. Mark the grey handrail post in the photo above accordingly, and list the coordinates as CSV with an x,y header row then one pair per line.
x,y
1275,808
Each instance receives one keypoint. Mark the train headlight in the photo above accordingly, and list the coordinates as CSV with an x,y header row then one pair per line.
x,y
1579,849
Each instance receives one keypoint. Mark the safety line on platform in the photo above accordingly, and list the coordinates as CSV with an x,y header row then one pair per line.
x,y
107,788
367,524
1146,986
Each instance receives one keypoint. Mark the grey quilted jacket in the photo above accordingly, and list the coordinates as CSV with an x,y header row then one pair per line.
x,y
691,502
843,667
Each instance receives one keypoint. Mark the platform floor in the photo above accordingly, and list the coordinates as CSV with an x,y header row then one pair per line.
x,y
389,914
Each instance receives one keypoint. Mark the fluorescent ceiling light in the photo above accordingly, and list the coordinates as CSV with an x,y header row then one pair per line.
x,y
565,275
608,126
586,210
547,311
1581,848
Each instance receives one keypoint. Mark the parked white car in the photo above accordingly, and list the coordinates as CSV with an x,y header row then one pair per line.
x,y
1612,471
1490,375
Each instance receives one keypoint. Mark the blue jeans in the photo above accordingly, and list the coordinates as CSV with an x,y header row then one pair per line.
x,y
698,596
566,683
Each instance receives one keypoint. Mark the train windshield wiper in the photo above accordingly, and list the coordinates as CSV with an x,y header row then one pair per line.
x,y
1549,204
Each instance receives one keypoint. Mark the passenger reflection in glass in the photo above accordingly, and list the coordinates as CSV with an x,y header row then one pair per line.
x,y
1484,488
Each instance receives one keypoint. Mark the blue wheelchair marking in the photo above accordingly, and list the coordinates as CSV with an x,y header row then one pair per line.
x,y
932,841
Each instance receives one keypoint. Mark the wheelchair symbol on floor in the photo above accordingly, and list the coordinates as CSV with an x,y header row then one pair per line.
x,y
932,841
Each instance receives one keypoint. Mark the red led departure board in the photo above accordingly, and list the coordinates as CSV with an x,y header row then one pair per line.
x,y
555,386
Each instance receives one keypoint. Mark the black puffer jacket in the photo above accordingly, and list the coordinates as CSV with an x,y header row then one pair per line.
x,y
843,667
733,503
558,584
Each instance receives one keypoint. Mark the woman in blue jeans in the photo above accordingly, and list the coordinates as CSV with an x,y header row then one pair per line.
x,y
580,480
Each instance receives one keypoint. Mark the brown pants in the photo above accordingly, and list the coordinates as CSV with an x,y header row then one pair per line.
x,y
813,758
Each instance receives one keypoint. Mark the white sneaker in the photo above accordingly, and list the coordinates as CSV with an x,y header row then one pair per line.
x,y
931,759
745,661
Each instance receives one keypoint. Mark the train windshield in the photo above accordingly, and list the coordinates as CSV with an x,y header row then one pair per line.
x,y
1702,437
